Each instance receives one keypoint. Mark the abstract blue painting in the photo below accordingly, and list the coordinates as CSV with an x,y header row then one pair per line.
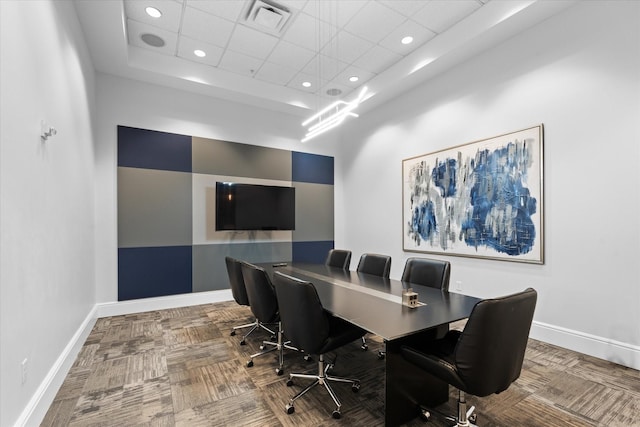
x,y
482,199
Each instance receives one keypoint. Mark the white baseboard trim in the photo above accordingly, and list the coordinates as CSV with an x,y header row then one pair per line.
x,y
602,348
38,405
37,408
162,303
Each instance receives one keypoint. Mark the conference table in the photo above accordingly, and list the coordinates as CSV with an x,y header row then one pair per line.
x,y
375,304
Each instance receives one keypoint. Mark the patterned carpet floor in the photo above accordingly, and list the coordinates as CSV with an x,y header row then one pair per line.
x,y
181,367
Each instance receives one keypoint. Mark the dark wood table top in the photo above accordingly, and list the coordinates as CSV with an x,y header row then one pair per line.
x,y
375,304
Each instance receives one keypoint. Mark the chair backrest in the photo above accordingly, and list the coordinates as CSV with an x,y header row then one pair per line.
x,y
304,321
339,258
261,293
378,265
427,272
234,270
490,350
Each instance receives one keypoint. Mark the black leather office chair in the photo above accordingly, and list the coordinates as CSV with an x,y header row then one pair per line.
x,y
427,272
486,357
264,305
313,329
339,258
239,292
377,265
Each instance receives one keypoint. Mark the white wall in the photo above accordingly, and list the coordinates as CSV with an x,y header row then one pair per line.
x,y
47,196
136,104
577,73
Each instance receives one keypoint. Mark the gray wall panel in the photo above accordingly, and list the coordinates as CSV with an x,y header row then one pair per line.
x,y
209,269
314,212
154,208
211,156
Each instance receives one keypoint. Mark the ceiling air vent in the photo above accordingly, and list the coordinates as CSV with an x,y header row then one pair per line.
x,y
267,16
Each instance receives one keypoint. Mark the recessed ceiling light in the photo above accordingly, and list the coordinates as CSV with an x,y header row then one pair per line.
x,y
306,84
153,12
354,79
199,53
407,40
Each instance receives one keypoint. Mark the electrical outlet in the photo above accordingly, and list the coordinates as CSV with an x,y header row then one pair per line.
x,y
23,370
458,285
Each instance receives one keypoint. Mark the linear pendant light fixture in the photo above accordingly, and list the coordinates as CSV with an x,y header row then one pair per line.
x,y
331,116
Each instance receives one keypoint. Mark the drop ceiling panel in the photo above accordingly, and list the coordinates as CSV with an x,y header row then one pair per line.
x,y
298,79
309,32
324,42
239,63
325,67
188,46
170,19
346,47
407,8
335,12
393,41
200,25
136,30
252,42
374,22
291,55
363,76
439,15
277,74
227,9
377,59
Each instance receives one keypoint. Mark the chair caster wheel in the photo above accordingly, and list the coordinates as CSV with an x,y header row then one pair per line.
x,y
308,358
261,347
364,347
355,387
425,415
233,333
336,414
249,363
279,371
289,383
473,418
290,409
381,355
243,342
273,338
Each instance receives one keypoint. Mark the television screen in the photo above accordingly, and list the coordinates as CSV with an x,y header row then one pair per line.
x,y
254,207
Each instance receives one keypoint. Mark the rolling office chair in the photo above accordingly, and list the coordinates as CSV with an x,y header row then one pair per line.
x,y
377,265
338,258
313,329
264,305
427,272
239,292
486,357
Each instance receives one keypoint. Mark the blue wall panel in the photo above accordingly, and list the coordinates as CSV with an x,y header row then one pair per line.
x,y
156,173
154,271
312,168
149,149
313,252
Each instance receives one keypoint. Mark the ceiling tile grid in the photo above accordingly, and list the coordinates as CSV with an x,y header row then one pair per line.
x,y
322,44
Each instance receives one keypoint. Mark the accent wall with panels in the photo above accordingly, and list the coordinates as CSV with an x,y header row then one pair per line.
x,y
167,238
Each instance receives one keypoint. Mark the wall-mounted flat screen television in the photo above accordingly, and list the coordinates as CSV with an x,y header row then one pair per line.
x,y
254,207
